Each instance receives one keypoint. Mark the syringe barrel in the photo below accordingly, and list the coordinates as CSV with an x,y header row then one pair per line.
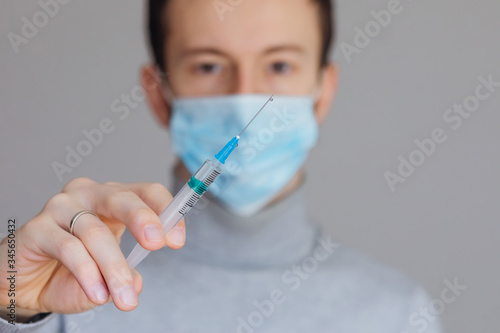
x,y
181,204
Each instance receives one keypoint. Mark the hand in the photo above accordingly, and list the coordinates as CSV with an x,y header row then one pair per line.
x,y
64,273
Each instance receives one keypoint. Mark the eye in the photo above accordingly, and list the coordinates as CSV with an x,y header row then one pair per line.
x,y
280,67
209,68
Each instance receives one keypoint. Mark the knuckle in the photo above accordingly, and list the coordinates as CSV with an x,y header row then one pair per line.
x,y
77,183
120,275
85,269
57,201
157,188
116,198
97,232
33,229
111,184
157,195
142,216
67,247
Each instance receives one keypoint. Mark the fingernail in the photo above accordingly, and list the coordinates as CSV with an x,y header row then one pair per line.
x,y
100,292
153,233
128,296
178,236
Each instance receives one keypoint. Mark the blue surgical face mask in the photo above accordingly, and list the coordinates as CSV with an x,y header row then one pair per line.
x,y
269,154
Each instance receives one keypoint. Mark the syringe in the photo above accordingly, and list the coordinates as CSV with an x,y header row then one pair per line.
x,y
191,192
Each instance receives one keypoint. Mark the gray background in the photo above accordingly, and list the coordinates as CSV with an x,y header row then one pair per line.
x,y
442,223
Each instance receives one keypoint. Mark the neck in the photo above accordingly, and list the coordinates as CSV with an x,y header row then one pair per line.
x,y
279,234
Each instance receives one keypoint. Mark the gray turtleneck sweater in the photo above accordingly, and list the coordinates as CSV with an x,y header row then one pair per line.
x,y
274,272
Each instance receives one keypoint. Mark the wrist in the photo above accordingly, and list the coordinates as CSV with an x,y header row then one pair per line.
x,y
18,315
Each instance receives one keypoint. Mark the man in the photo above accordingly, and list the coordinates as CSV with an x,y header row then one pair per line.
x,y
254,262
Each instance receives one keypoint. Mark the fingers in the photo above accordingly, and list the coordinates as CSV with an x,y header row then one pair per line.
x,y
177,236
155,195
94,257
93,254
137,205
119,202
104,249
71,252
158,197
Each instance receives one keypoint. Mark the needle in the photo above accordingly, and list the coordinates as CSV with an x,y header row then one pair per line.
x,y
262,108
233,143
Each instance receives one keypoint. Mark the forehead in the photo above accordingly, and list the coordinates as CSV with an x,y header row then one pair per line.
x,y
247,27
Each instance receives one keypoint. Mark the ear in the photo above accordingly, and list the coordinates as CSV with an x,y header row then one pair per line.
x,y
153,88
327,92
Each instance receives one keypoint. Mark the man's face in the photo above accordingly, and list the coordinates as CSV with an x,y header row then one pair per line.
x,y
261,47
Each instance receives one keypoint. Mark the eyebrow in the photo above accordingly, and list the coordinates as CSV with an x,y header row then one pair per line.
x,y
203,50
214,51
281,48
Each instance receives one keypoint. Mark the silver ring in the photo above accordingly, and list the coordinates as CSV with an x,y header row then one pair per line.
x,y
73,220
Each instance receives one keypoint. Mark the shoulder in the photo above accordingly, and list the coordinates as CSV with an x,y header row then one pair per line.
x,y
354,282
351,267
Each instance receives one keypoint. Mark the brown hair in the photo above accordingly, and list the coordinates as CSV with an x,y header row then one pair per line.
x,y
157,30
